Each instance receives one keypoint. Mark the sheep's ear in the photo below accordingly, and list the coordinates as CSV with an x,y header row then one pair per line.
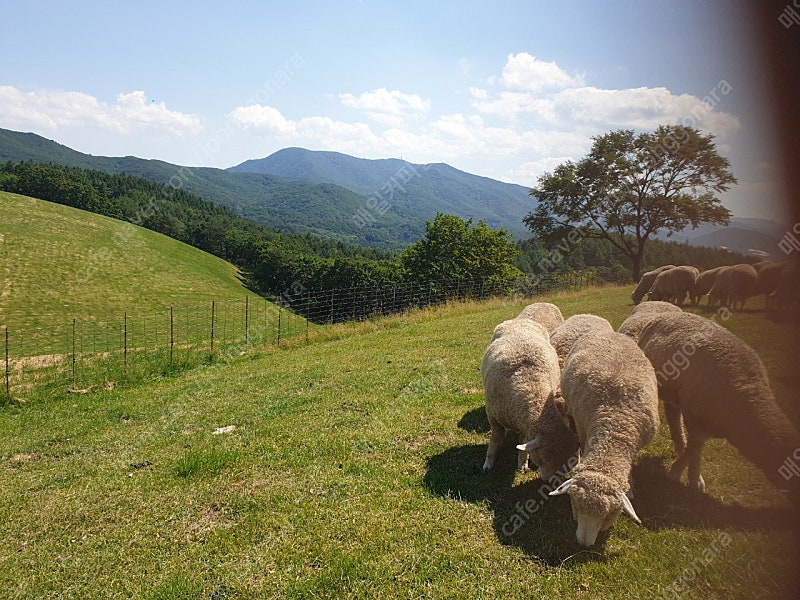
x,y
562,489
628,508
529,446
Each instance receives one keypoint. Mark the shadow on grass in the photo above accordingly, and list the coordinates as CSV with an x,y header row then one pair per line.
x,y
542,526
663,503
475,421
524,515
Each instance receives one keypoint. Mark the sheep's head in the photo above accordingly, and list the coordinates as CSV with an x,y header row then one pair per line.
x,y
596,503
555,448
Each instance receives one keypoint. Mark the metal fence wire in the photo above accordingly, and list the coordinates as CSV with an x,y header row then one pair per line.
x,y
86,354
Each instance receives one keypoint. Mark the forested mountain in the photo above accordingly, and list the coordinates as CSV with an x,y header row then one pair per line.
x,y
378,213
415,192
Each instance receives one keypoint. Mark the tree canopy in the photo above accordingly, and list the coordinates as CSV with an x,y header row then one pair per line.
x,y
630,187
453,248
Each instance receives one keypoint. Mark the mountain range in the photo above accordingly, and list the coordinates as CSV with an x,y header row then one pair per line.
x,y
383,203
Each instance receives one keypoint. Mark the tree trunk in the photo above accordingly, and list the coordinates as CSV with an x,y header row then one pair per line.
x,y
636,267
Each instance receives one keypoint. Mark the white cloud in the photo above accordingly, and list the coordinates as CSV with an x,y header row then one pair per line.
x,y
55,109
390,107
262,120
526,72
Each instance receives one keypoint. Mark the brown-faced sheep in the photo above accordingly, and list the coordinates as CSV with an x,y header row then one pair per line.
x,y
674,284
521,378
576,326
720,387
646,282
545,313
610,394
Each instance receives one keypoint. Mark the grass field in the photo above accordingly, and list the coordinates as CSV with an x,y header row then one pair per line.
x,y
60,263
350,467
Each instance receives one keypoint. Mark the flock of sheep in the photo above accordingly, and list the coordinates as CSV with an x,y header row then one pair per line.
x,y
583,399
728,286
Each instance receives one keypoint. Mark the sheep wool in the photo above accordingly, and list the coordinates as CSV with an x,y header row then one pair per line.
x,y
642,314
566,334
720,387
611,395
521,376
545,313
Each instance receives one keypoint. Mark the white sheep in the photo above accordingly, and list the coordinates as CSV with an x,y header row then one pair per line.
x,y
672,285
610,394
521,377
646,282
720,387
566,334
545,313
642,314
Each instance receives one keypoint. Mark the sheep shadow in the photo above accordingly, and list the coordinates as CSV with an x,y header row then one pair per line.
x,y
666,504
475,421
525,515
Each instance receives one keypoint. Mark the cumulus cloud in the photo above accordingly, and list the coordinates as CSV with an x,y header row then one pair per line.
x,y
54,109
390,107
526,72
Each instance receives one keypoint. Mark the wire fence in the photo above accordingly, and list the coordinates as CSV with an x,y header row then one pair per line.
x,y
85,355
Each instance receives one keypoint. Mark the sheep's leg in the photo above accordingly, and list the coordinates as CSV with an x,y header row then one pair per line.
x,y
495,442
690,458
672,411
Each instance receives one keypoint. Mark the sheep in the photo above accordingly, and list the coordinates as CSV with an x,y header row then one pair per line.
x,y
545,313
703,285
673,285
720,290
769,277
787,293
646,282
521,378
743,284
610,394
572,329
643,314
719,385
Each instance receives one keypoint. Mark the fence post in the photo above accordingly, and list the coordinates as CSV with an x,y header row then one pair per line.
x,y
280,312
74,325
171,334
213,310
8,371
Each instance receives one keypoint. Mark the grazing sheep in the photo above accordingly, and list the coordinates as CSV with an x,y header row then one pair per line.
x,y
703,285
641,315
646,282
572,329
720,387
611,396
520,379
545,313
743,285
787,293
769,277
673,285
720,291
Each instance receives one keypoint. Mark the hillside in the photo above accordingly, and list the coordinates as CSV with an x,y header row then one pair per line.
x,y
60,263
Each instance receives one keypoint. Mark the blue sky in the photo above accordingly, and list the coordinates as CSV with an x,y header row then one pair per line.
x,y
505,89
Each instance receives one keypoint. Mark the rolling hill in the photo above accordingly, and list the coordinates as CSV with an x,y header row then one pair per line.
x,y
60,263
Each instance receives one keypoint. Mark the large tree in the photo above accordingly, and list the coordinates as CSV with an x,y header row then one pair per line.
x,y
630,187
